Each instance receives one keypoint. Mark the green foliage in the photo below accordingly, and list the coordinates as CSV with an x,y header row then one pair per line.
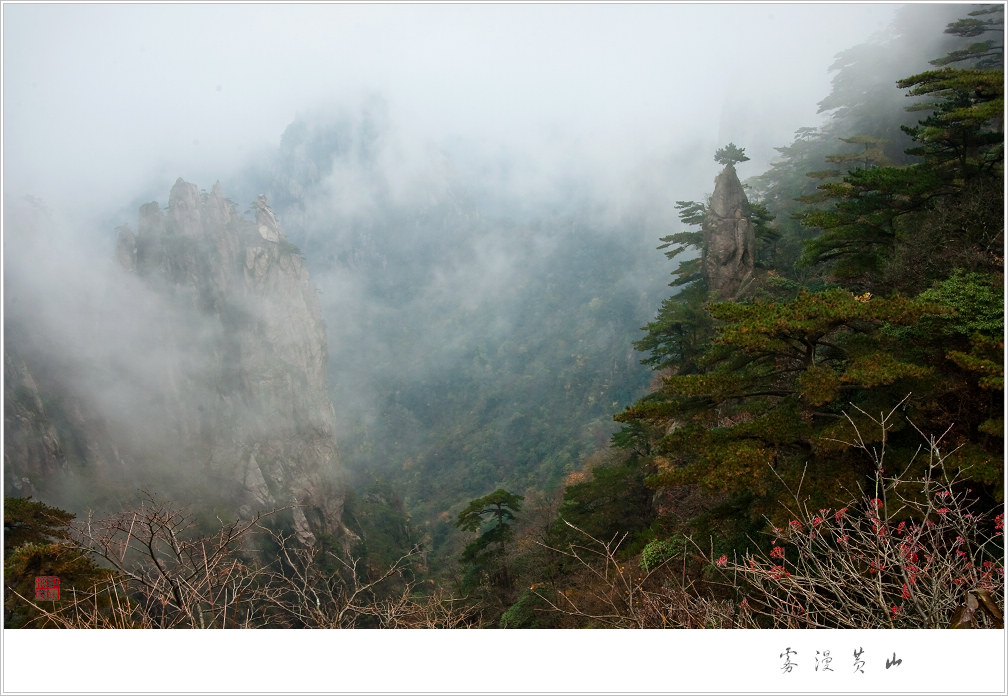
x,y
687,272
869,153
976,300
612,500
379,517
677,335
984,358
730,154
32,521
762,384
962,137
660,551
768,386
981,54
484,557
965,347
860,231
526,612
878,228
819,385
779,191
877,213
767,235
500,506
976,27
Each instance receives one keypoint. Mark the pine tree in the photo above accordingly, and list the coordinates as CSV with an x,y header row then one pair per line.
x,y
730,154
981,54
771,386
484,557
962,138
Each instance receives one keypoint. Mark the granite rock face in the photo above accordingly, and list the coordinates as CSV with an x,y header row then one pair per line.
x,y
729,237
211,381
266,427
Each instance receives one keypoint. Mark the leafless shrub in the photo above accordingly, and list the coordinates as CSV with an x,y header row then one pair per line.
x,y
613,593
317,587
912,553
168,575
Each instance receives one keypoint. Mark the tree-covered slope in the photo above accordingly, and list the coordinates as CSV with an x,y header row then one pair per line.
x,y
894,299
831,433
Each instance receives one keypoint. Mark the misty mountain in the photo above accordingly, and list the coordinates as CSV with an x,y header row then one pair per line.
x,y
194,368
481,297
480,310
470,316
480,301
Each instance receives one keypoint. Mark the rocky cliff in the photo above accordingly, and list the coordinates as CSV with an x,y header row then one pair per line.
x,y
728,236
210,383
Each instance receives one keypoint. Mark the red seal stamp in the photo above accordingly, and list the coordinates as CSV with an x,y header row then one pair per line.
x,y
46,588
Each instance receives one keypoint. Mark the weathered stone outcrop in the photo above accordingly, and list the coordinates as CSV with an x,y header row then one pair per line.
x,y
56,447
30,435
264,427
199,373
728,236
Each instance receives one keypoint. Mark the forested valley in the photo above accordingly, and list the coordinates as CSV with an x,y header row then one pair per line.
x,y
777,406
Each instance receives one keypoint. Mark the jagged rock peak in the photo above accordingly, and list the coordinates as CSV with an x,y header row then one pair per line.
x,y
219,209
729,237
258,413
184,194
184,209
269,228
271,436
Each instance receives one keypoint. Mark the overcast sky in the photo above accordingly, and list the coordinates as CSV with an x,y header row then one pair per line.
x,y
101,101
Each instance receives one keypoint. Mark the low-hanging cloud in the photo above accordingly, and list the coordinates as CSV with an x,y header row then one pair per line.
x,y
114,89
427,160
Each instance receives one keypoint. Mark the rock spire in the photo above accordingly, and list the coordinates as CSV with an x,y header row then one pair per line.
x,y
729,239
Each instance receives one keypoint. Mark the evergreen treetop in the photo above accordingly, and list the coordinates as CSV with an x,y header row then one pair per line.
x,y
730,154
